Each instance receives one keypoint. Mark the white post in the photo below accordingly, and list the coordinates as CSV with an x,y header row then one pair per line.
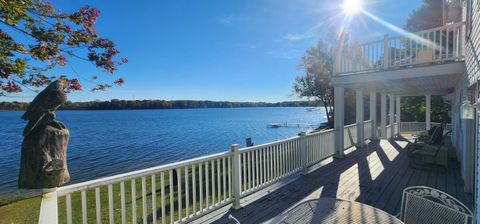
x,y
386,53
48,209
383,115
303,152
236,176
427,112
398,114
373,114
392,115
338,110
360,117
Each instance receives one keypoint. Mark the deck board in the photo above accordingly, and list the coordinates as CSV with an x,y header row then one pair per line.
x,y
375,175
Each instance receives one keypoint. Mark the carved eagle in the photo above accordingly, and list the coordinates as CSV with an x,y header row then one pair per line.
x,y
45,103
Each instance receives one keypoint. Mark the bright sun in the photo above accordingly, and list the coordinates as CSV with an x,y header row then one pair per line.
x,y
352,7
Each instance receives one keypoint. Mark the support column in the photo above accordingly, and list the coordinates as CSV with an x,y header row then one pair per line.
x,y
392,115
383,115
360,117
427,112
338,110
397,103
373,113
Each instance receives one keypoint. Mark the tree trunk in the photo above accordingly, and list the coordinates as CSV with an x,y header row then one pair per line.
x,y
43,161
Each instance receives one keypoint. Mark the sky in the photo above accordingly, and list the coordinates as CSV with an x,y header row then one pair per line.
x,y
217,49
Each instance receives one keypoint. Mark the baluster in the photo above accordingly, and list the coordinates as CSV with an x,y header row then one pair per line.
x,y
154,200
230,178
212,163
200,176
264,164
134,202
224,176
187,193
249,161
219,188
84,207
194,187
207,187
110,205
162,192
172,202
245,177
69,208
97,204
448,44
144,200
122,202
179,193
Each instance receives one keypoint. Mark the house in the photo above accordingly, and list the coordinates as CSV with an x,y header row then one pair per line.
x,y
354,162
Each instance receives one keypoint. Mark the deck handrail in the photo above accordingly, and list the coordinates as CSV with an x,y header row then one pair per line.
x,y
137,173
194,186
439,44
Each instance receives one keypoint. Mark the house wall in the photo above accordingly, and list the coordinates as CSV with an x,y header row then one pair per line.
x,y
472,75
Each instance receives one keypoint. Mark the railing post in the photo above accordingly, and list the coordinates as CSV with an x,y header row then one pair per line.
x,y
303,152
386,52
49,209
237,179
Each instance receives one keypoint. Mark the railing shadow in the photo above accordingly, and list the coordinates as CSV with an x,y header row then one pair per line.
x,y
349,178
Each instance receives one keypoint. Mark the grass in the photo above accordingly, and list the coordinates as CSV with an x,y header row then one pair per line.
x,y
25,211
137,200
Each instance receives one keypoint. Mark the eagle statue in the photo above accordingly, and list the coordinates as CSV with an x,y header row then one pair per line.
x,y
42,108
43,163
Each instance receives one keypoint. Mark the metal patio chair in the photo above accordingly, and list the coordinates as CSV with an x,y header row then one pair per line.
x,y
422,204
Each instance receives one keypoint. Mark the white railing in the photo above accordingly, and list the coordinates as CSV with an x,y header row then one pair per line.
x,y
439,44
186,190
170,193
349,136
265,164
415,127
389,131
367,129
412,126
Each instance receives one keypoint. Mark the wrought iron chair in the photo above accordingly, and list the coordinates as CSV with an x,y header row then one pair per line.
x,y
428,205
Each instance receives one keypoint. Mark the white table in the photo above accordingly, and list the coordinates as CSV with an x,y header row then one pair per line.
x,y
332,210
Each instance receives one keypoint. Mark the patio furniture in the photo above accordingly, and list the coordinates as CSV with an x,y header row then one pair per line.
x,y
428,205
436,138
432,154
426,136
333,210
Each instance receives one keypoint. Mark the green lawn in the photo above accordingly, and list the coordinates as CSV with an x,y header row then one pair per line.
x,y
23,211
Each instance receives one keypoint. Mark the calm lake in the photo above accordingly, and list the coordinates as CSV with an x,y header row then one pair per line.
x,y
104,143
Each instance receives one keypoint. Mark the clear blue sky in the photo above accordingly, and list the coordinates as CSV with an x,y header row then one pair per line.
x,y
218,49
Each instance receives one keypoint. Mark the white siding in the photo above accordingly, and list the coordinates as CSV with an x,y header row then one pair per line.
x,y
472,62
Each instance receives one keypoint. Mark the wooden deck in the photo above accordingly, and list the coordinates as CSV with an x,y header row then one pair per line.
x,y
375,175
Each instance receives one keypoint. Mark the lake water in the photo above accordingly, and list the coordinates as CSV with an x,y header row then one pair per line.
x,y
105,143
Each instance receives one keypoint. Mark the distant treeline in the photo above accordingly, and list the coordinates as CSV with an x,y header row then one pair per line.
x,y
157,104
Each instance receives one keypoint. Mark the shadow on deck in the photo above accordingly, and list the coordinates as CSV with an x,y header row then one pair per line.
x,y
375,175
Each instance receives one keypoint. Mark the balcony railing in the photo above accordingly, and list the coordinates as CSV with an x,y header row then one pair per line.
x,y
441,44
186,190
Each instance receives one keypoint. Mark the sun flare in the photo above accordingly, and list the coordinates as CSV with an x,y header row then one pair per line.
x,y
352,7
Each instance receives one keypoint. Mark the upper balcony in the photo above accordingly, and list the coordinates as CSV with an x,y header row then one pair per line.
x,y
422,63
429,47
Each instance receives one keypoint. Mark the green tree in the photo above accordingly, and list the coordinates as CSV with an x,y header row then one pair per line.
x,y
35,38
428,15
317,64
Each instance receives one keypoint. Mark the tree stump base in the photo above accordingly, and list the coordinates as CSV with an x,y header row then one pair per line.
x,y
43,161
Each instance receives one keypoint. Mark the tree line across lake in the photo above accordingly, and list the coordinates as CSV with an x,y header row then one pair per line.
x,y
157,104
